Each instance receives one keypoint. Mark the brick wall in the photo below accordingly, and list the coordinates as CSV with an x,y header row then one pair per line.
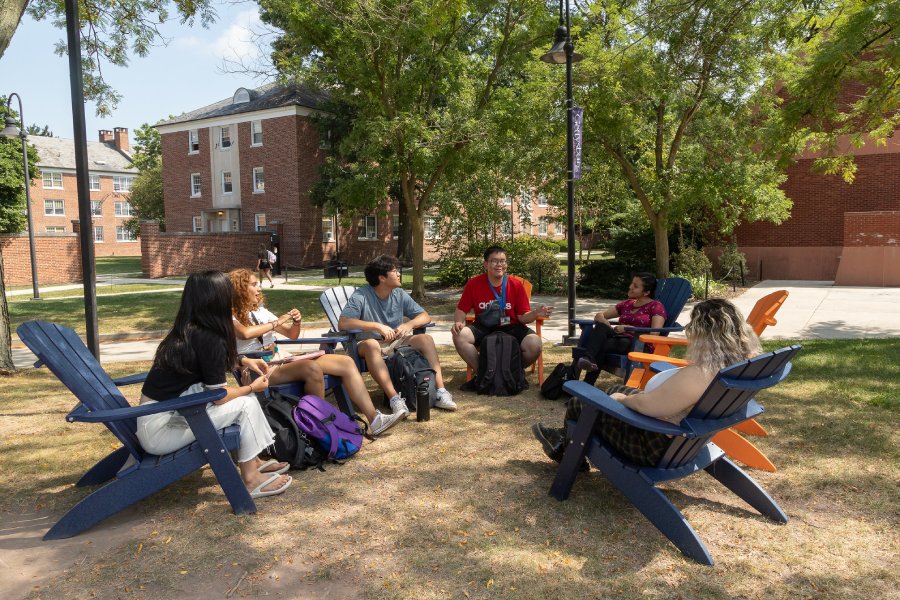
x,y
180,253
58,258
177,168
871,252
876,228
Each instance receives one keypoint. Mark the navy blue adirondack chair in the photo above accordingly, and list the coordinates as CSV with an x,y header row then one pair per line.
x,y
333,301
727,401
673,293
333,384
129,473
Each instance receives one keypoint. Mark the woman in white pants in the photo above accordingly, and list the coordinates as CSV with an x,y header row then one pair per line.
x,y
195,356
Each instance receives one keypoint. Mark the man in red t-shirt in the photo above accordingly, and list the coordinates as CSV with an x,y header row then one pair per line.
x,y
477,295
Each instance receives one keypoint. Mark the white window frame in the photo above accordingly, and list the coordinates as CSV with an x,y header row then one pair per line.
x,y
259,185
57,208
230,183
98,229
96,208
543,226
328,229
259,222
193,141
507,200
560,227
542,200
123,209
225,134
197,224
124,235
54,229
256,131
368,227
94,183
431,226
52,176
395,227
122,183
196,182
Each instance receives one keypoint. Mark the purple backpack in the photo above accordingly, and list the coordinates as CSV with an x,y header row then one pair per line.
x,y
338,434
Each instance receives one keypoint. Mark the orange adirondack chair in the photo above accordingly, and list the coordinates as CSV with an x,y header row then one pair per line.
x,y
734,445
537,329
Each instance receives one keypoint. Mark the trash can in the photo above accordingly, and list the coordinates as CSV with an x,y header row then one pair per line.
x,y
336,268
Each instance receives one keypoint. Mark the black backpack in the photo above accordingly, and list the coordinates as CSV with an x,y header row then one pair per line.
x,y
553,385
411,373
500,371
290,445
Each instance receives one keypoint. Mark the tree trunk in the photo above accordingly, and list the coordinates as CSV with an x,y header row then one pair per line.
x,y
416,223
661,237
6,361
10,14
404,238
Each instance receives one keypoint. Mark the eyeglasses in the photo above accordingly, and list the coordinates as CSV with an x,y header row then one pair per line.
x,y
498,261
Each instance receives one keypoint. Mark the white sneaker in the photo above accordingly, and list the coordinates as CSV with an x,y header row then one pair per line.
x,y
383,422
445,400
398,406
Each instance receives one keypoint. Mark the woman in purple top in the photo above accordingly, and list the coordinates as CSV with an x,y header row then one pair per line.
x,y
639,310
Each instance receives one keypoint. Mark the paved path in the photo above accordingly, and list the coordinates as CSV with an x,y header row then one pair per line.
x,y
814,310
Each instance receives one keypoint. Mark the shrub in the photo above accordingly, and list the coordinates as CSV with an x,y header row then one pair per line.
x,y
634,248
542,270
607,278
518,251
732,263
456,270
692,261
550,246
698,286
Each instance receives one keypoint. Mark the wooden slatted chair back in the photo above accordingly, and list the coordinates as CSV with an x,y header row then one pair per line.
x,y
763,313
525,283
333,301
731,390
673,293
61,350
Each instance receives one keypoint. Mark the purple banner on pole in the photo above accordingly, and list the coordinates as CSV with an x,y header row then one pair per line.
x,y
577,118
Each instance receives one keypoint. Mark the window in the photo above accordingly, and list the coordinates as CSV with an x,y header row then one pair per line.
x,y
123,234
55,229
526,197
543,223
226,182
94,183
96,208
256,133
52,180
123,209
560,227
542,200
259,182
225,137
193,141
259,220
195,185
431,227
368,228
98,233
506,228
507,200
197,223
54,208
395,227
122,183
327,229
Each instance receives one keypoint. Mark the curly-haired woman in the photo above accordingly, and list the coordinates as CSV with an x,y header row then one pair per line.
x,y
255,327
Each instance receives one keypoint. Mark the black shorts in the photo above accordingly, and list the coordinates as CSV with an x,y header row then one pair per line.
x,y
517,330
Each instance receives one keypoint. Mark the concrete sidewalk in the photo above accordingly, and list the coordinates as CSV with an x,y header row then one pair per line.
x,y
814,310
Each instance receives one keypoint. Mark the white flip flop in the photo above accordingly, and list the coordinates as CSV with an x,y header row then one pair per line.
x,y
258,492
280,471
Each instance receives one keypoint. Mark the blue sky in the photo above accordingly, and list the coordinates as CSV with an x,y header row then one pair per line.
x,y
185,74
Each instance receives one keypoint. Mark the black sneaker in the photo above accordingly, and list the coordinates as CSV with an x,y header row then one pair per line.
x,y
469,386
553,443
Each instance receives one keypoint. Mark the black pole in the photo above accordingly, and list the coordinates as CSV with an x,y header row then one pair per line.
x,y
23,135
570,174
73,35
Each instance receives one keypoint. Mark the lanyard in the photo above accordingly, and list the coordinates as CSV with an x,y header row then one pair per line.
x,y
502,298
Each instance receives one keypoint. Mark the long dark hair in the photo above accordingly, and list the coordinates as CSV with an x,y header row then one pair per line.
x,y
205,304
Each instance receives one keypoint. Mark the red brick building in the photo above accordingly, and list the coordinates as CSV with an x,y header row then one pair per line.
x,y
837,231
54,193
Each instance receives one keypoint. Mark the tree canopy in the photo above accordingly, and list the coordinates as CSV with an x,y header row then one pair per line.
x,y
146,197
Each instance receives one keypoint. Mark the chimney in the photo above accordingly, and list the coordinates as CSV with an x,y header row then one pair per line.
x,y
120,139
106,136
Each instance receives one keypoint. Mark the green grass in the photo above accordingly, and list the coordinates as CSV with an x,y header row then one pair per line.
x,y
102,290
106,265
457,507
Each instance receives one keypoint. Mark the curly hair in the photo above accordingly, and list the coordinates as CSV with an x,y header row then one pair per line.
x,y
719,336
242,301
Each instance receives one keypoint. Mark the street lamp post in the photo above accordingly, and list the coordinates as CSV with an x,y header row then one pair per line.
x,y
563,52
14,130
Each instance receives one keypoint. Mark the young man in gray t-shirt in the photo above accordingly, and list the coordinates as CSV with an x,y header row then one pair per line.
x,y
380,308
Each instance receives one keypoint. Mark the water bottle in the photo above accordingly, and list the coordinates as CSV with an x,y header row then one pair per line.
x,y
423,401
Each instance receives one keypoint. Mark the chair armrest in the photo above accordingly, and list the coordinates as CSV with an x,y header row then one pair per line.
x,y
84,415
337,338
131,379
663,364
648,359
591,395
672,329
649,338
584,322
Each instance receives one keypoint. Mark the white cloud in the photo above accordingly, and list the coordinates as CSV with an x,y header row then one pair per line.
x,y
237,43
189,41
